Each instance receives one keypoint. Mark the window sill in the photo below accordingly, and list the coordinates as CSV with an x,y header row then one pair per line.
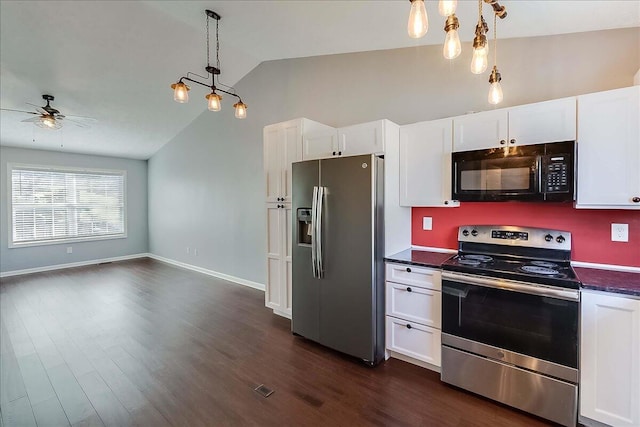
x,y
18,245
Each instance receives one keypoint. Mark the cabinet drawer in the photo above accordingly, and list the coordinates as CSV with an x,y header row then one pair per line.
x,y
414,276
413,340
414,304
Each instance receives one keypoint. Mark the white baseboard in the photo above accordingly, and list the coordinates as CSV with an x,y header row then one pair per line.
x,y
70,265
217,274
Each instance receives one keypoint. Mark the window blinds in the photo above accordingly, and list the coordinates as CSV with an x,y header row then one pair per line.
x,y
51,205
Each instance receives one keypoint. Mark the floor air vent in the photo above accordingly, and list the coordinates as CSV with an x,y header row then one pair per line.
x,y
263,390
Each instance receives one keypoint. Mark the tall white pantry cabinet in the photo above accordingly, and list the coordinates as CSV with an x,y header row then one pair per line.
x,y
282,146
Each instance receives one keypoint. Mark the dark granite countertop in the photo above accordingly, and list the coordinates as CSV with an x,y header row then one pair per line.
x,y
420,257
620,282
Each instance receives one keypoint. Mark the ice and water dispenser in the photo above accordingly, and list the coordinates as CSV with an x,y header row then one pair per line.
x,y
304,226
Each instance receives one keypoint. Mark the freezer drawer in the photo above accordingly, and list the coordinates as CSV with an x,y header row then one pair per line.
x,y
414,340
414,276
414,304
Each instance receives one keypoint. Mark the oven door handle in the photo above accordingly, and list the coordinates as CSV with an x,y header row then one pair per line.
x,y
513,285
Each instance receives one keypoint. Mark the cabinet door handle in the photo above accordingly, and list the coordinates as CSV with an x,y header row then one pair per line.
x,y
502,142
446,202
636,200
339,153
513,141
334,153
408,326
408,289
408,270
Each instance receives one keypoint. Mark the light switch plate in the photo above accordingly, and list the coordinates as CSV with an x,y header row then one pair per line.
x,y
619,232
427,223
69,249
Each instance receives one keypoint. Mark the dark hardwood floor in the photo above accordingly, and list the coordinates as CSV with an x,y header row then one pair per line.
x,y
144,343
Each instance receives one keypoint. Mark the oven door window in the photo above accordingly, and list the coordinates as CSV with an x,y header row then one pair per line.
x,y
537,326
498,176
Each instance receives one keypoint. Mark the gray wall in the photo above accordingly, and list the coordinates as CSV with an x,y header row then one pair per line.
x,y
42,256
206,185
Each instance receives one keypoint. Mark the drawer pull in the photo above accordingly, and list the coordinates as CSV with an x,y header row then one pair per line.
x,y
408,270
408,326
408,289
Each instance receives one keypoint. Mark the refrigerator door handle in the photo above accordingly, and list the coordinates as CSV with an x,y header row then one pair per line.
x,y
314,243
319,233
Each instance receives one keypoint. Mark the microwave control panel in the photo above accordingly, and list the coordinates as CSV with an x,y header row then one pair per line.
x,y
557,174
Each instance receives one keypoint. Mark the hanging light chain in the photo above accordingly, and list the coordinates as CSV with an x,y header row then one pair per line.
x,y
217,46
495,39
207,39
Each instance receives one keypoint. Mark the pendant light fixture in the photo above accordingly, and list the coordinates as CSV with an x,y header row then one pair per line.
x,y
181,90
418,20
418,26
495,90
480,56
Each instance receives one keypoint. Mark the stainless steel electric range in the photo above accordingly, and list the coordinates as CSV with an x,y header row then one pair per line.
x,y
510,313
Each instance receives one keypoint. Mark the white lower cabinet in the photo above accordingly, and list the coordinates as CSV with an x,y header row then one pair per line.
x,y
414,340
413,310
610,359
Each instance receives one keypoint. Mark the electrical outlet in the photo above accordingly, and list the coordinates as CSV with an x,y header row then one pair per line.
x,y
619,232
69,249
188,250
427,223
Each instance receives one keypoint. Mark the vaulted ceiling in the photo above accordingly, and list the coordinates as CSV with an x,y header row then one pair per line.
x,y
115,60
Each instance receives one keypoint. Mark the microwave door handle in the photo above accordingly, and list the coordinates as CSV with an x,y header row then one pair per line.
x,y
540,172
314,243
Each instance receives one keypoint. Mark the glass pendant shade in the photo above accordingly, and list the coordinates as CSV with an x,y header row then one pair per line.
x,y
480,59
213,101
180,92
495,90
447,7
452,46
48,122
418,21
241,110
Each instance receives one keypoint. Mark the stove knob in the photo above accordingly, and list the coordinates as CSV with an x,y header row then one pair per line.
x,y
548,237
465,233
560,239
474,233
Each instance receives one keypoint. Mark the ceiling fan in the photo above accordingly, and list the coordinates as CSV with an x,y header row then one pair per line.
x,y
50,118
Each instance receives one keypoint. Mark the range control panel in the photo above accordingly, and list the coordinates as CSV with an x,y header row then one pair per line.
x,y
515,236
509,235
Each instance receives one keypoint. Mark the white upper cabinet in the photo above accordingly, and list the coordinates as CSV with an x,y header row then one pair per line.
x,y
283,146
609,149
549,121
610,359
364,138
425,164
480,130
320,144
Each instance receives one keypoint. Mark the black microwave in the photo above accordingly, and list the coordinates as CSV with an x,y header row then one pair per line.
x,y
535,173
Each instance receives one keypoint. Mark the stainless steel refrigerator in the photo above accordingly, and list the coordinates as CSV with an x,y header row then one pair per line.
x,y
337,256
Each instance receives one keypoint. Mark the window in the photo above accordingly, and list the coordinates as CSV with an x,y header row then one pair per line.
x,y
50,205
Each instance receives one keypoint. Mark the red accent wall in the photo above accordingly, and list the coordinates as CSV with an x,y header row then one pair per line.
x,y
590,229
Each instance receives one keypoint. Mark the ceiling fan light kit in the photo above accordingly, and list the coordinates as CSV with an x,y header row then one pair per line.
x,y
419,24
181,90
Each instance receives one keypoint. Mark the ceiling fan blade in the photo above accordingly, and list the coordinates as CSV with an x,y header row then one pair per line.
x,y
77,123
83,118
38,108
18,111
31,120
60,116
